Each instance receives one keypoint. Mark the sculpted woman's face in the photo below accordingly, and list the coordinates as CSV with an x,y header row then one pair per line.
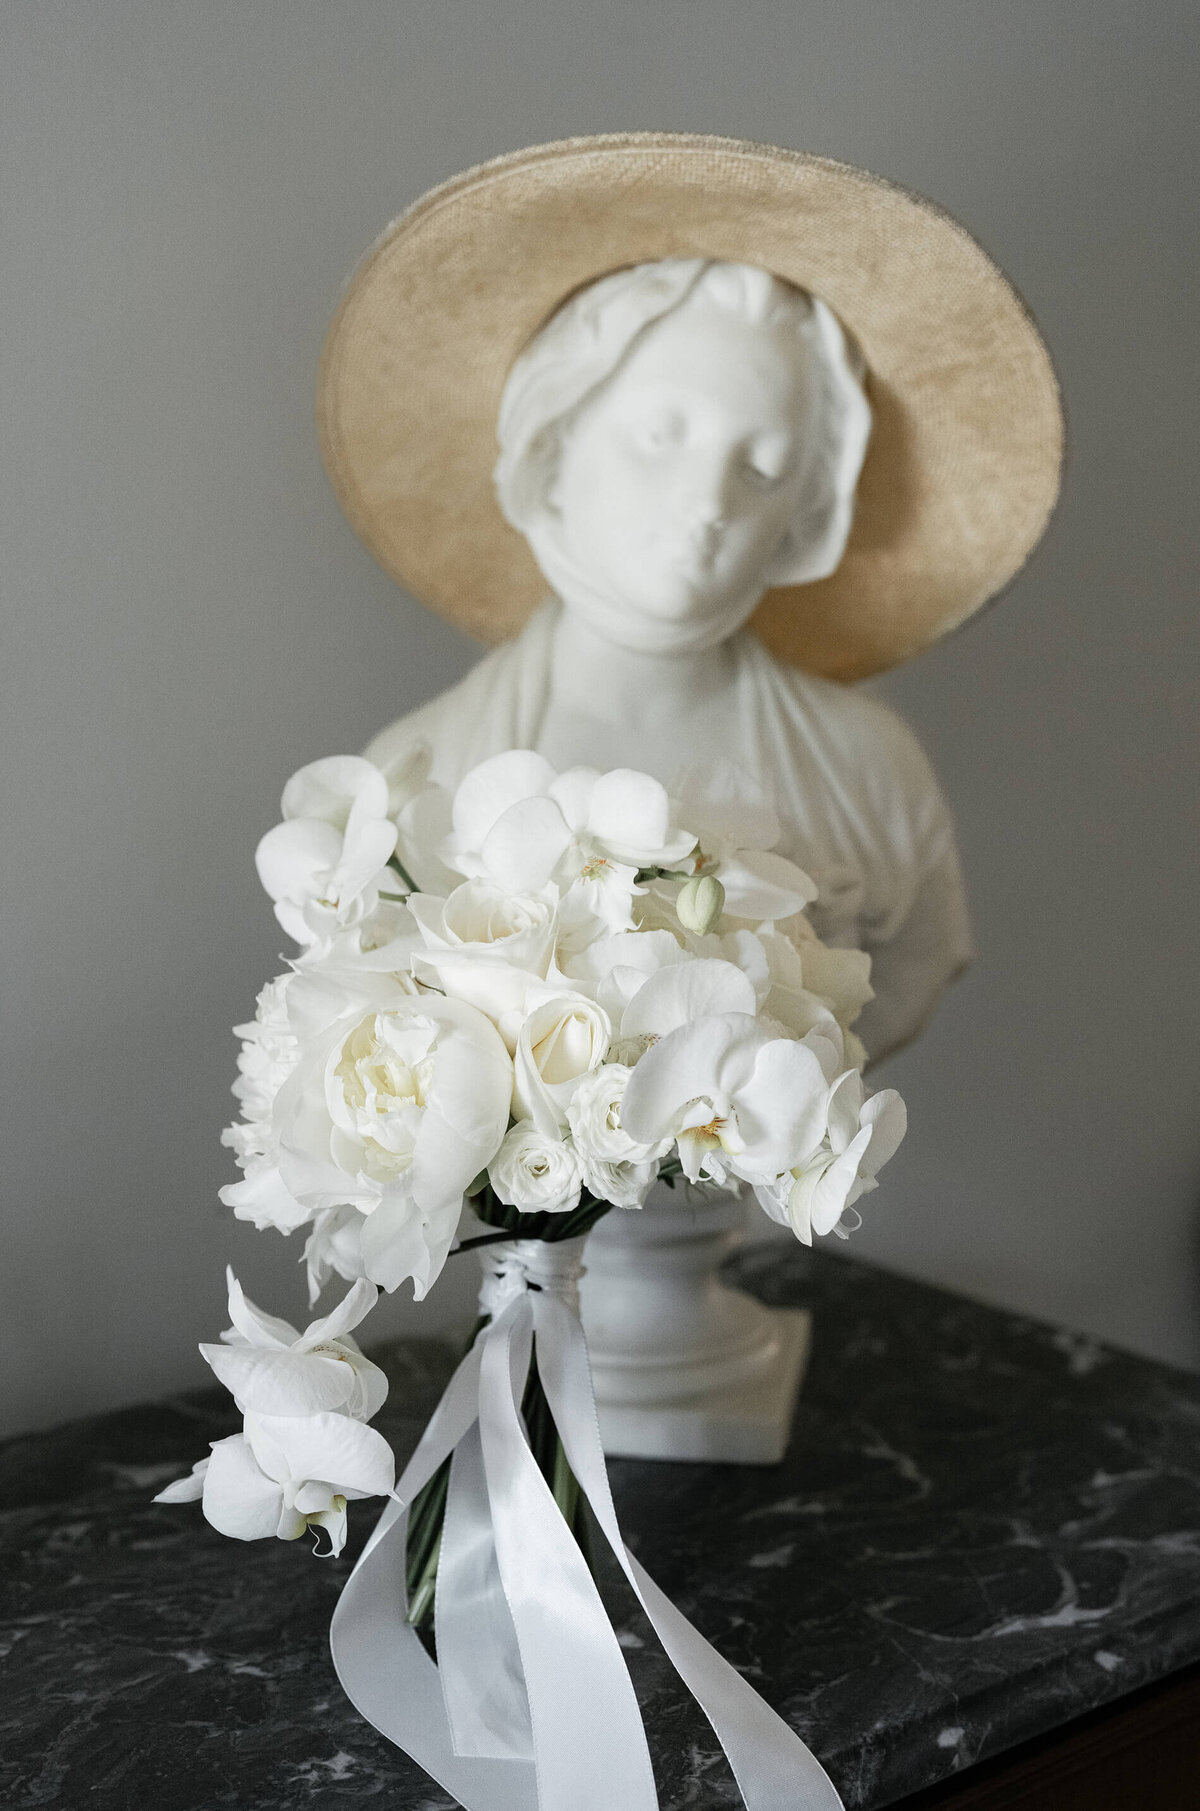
x,y
679,477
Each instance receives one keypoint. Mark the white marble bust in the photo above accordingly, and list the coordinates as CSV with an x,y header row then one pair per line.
x,y
678,438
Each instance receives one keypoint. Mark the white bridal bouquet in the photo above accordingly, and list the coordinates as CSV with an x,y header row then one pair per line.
x,y
538,995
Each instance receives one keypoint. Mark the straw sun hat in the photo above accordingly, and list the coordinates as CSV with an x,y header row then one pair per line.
x,y
962,469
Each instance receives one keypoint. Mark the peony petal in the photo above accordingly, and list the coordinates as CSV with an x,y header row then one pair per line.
x,y
263,1198
239,1499
685,991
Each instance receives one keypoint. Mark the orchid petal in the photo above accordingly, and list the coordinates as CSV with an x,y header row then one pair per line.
x,y
490,789
525,844
290,857
331,789
186,1490
685,991
353,1308
256,1327
239,1498
281,1383
887,1116
705,1060
762,885
355,1460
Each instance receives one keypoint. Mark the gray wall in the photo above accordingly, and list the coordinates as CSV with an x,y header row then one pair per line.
x,y
188,618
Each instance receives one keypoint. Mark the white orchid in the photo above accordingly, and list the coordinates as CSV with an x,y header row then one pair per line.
x,y
323,865
863,1132
287,1473
737,830
522,825
735,1100
269,1368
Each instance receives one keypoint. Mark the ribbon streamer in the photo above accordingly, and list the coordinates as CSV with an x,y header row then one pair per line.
x,y
530,1706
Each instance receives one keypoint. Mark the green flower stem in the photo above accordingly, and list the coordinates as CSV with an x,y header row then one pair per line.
x,y
428,1510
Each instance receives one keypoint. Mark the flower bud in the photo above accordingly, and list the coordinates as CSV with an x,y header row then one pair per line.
x,y
700,904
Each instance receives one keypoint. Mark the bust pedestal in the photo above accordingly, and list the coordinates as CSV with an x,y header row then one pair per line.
x,y
684,1366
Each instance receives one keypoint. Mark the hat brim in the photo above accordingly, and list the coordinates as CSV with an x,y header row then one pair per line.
x,y
963,467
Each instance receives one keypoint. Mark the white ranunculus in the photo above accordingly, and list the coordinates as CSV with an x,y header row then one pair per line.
x,y
624,1184
594,1117
536,1172
393,1110
269,1368
286,1473
735,1100
564,1037
323,865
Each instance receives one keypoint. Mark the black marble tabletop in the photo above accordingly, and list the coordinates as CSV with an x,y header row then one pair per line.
x,y
984,1528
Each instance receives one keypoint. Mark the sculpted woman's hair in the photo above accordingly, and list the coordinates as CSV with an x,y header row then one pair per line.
x,y
589,337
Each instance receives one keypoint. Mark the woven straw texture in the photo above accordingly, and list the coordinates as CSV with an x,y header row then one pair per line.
x,y
963,467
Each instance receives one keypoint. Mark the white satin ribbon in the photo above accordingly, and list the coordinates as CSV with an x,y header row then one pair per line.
x,y
530,1707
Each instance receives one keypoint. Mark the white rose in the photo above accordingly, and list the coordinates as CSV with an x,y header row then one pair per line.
x,y
564,1037
536,1173
487,946
393,1111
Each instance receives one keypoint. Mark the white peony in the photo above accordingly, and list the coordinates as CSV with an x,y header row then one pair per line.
x,y
324,864
536,1172
269,1053
393,1110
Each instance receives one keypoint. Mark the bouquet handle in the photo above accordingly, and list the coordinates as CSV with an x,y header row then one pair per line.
x,y
530,1706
